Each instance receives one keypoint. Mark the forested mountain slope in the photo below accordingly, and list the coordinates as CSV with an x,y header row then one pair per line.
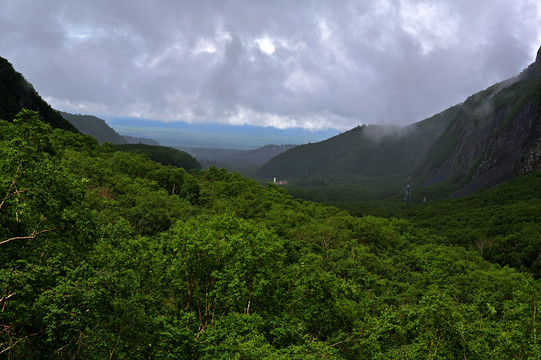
x,y
16,93
94,126
495,135
502,223
105,254
491,137
365,150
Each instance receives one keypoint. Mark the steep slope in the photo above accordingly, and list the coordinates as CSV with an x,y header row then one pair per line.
x,y
495,135
16,93
365,150
94,126
491,137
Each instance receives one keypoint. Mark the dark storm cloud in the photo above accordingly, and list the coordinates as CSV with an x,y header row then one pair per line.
x,y
312,64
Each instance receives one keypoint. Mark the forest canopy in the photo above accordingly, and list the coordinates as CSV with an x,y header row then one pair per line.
x,y
108,254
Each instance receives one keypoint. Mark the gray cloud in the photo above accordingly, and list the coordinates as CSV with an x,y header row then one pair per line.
x,y
311,64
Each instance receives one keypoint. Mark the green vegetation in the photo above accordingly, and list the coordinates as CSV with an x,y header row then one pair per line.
x,y
518,94
359,196
365,151
163,154
502,224
461,150
107,254
96,127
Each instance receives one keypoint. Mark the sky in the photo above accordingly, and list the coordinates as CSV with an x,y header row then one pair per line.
x,y
313,65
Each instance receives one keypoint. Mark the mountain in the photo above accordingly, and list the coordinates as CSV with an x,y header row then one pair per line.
x,y
491,137
495,136
17,93
365,150
255,157
93,126
243,161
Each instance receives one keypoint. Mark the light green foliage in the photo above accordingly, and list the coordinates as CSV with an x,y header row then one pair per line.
x,y
43,229
115,256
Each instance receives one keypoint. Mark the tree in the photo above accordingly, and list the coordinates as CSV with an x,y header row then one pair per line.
x,y
34,189
40,220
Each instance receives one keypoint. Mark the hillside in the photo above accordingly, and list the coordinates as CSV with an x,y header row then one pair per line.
x,y
163,155
94,126
16,93
496,135
501,223
107,254
491,137
365,150
254,157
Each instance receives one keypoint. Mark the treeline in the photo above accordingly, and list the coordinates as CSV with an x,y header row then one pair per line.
x,y
502,223
106,254
163,154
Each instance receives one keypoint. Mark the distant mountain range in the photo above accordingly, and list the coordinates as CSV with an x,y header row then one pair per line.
x,y
491,137
216,135
368,150
244,161
140,140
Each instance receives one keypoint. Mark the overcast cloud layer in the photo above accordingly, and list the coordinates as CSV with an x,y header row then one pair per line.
x,y
310,64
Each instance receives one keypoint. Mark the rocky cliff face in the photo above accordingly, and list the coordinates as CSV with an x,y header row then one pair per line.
x,y
496,135
530,159
505,151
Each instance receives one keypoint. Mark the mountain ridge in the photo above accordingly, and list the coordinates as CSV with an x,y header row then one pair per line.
x,y
484,144
94,126
491,137
17,93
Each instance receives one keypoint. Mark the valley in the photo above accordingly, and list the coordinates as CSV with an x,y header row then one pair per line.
x,y
144,251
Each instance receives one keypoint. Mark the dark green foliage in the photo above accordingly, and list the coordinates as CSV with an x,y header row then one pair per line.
x,y
519,95
501,223
164,155
364,151
17,93
482,143
107,254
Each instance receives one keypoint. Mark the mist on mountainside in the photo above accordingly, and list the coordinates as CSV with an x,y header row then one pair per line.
x,y
491,137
